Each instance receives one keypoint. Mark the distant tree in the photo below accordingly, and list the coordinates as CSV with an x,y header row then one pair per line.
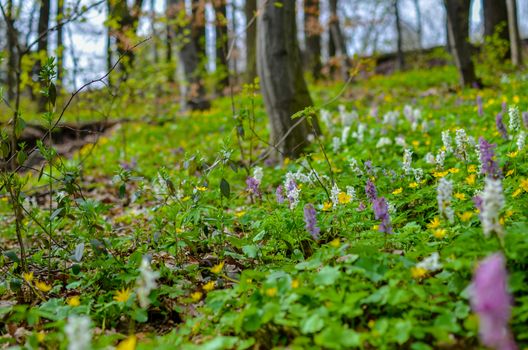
x,y
250,10
399,37
515,39
338,39
60,42
312,35
222,43
181,25
419,29
11,35
281,77
42,45
198,28
496,20
458,25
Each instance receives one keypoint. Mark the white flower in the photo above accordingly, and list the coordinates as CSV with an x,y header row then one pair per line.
x,y
440,158
78,332
351,191
326,118
391,118
521,140
344,134
461,141
258,174
347,118
383,141
400,141
146,282
336,144
431,263
430,158
492,203
334,195
407,159
446,140
418,174
514,119
444,191
292,190
354,166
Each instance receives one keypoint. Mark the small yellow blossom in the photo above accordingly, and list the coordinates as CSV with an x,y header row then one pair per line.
x,y
516,99
201,188
440,233
512,154
43,286
397,191
516,193
73,301
271,292
217,268
128,344
286,161
41,336
509,213
209,286
418,272
196,296
295,283
524,185
454,170
460,196
375,228
327,206
344,198
435,223
413,185
371,323
465,216
510,172
472,168
440,173
470,180
122,295
239,214
335,243
28,276
415,143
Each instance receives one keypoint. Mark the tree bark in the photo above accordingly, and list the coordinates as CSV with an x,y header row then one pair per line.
x,y
188,54
282,83
42,45
496,21
338,39
458,25
399,39
11,35
515,38
251,40
419,29
198,28
222,43
60,44
312,35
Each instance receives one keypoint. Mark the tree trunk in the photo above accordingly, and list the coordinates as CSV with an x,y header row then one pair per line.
x,y
312,35
515,38
399,39
222,43
419,29
42,45
281,78
12,52
195,98
458,25
198,28
338,39
60,44
496,20
251,41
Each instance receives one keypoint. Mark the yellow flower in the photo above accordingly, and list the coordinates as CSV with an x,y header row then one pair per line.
x,y
516,193
440,233
271,292
201,188
509,213
465,216
73,301
209,286
375,228
524,185
196,296
516,99
397,191
327,206
510,172
418,272
472,168
42,286
295,283
186,198
470,180
286,161
454,170
41,336
460,196
335,243
128,344
344,198
435,223
440,173
28,276
512,154
415,143
240,214
122,295
217,268
413,185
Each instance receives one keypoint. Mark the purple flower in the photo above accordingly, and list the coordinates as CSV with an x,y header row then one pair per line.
x,y
310,220
487,161
501,128
361,206
504,106
253,186
525,119
490,299
368,167
480,106
129,165
477,200
381,212
370,190
279,194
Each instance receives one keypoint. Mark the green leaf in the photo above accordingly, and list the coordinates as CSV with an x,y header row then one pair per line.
x,y
52,93
312,324
327,276
225,189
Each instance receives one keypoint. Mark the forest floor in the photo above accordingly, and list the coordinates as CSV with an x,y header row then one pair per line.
x,y
180,233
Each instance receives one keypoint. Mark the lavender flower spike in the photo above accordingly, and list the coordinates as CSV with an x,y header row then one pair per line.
x,y
490,299
501,128
489,166
280,194
480,106
381,212
310,220
253,186
370,190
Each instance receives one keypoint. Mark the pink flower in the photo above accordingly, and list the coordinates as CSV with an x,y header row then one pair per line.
x,y
491,301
